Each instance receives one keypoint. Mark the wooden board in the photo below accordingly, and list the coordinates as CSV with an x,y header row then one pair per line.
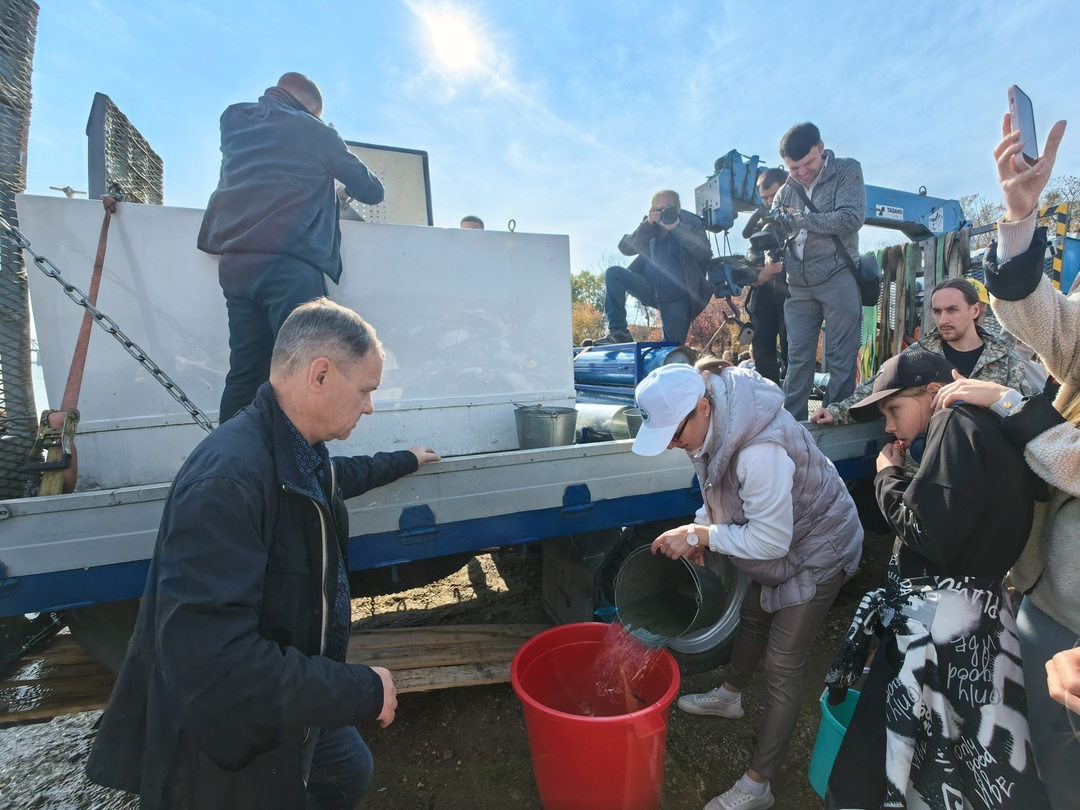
x,y
59,678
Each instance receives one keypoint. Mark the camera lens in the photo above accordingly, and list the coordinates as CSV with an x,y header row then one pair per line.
x,y
669,214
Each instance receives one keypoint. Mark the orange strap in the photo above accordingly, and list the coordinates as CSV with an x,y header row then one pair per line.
x,y
78,359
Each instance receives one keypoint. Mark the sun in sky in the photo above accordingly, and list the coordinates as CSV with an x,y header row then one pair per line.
x,y
454,37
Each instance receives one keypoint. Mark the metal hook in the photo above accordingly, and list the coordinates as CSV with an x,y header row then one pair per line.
x,y
511,225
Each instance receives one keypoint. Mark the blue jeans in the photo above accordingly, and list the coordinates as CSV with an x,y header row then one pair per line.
x,y
1054,728
337,769
675,316
260,290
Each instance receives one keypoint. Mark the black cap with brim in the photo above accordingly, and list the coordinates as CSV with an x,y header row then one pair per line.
x,y
911,369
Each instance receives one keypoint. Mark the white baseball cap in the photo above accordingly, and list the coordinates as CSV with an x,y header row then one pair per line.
x,y
665,398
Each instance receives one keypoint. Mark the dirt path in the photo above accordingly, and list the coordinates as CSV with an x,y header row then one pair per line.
x,y
467,748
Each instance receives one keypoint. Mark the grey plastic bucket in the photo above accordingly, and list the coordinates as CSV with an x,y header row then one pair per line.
x,y
659,599
544,426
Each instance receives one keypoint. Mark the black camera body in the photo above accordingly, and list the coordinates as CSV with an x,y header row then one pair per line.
x,y
669,214
727,275
769,242
764,245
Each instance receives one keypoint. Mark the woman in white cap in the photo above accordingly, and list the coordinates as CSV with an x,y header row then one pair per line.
x,y
775,505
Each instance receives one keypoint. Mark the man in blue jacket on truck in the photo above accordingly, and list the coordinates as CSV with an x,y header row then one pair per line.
x,y
274,220
235,692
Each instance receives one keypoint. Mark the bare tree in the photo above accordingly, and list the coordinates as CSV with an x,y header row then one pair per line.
x,y
1065,189
981,210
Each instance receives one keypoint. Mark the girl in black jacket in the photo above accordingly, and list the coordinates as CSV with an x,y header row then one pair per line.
x,y
941,714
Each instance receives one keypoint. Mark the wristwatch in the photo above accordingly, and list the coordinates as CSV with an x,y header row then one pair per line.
x,y
1008,403
691,536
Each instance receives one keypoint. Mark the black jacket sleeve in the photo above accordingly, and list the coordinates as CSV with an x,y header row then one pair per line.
x,y
359,182
358,474
1034,416
1019,276
691,235
633,244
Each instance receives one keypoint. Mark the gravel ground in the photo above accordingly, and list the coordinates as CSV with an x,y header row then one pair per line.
x,y
467,747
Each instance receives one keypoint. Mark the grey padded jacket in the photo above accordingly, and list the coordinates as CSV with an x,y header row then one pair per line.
x,y
826,534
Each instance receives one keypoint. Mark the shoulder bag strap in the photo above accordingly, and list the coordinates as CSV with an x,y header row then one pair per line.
x,y
839,244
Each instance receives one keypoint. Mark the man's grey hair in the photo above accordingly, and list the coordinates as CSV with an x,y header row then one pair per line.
x,y
321,328
667,192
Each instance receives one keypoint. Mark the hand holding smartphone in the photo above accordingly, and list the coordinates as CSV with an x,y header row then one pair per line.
x,y
1022,119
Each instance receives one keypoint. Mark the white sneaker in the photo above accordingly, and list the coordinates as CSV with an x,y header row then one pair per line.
x,y
713,703
739,798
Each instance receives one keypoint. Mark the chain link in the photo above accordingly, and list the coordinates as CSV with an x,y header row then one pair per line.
x,y
109,325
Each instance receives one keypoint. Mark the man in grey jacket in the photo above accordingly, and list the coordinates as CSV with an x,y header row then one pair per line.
x,y
821,285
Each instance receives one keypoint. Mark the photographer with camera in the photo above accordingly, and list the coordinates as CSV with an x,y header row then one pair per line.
x,y
820,285
672,249
765,302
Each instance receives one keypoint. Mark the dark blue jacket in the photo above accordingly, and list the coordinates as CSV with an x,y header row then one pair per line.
x,y
276,191
223,674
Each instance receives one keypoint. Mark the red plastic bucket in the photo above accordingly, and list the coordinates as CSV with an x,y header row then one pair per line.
x,y
613,762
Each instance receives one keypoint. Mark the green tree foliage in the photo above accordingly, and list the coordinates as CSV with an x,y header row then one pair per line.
x,y
588,288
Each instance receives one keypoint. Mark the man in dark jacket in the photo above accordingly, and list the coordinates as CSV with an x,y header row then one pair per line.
x,y
274,220
235,692
671,247
765,301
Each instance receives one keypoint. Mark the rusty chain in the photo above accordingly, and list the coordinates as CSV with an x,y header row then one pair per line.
x,y
109,325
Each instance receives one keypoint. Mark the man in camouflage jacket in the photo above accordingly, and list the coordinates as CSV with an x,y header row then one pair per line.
x,y
998,363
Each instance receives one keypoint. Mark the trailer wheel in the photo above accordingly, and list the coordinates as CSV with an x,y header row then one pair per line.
x,y
707,648
104,630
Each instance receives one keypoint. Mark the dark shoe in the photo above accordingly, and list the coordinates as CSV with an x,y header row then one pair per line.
x,y
614,336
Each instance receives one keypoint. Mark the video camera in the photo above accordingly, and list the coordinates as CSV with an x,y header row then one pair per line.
x,y
729,274
769,242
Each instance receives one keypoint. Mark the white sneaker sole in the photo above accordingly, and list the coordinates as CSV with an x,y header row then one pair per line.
x,y
731,713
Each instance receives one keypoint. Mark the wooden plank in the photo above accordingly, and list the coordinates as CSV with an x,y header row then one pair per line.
x,y
425,680
20,704
438,647
59,678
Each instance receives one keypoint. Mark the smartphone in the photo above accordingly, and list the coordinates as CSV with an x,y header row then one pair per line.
x,y
1022,118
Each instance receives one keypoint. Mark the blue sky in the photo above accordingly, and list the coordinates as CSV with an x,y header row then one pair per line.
x,y
566,115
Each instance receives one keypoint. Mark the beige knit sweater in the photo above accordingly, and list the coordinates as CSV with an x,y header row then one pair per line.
x,y
1049,322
